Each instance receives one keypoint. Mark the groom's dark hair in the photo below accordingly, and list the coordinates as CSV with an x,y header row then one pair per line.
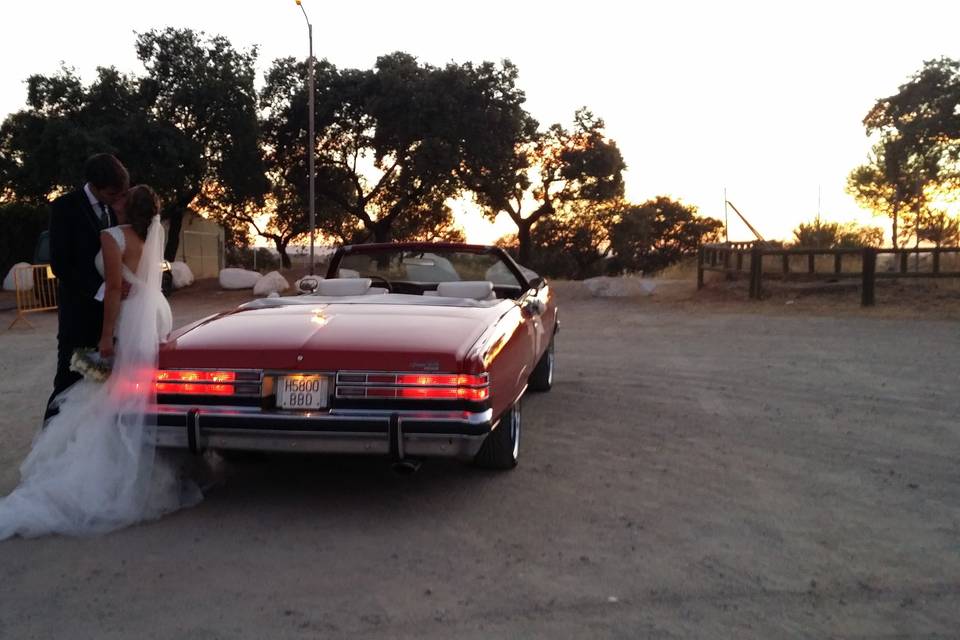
x,y
104,171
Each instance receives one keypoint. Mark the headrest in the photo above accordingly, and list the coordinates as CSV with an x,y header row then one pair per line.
x,y
343,287
476,289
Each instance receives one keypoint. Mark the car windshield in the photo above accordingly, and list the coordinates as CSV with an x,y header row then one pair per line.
x,y
427,267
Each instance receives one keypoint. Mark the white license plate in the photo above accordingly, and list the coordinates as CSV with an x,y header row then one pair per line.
x,y
302,392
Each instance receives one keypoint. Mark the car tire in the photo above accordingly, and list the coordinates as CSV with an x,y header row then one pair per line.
x,y
542,377
501,448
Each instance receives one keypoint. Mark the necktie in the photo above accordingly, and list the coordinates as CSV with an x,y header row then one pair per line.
x,y
104,216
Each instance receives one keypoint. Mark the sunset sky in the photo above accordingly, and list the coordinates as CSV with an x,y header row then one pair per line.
x,y
763,99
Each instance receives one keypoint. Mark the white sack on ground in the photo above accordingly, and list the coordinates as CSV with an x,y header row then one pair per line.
x,y
182,276
238,278
26,278
625,287
273,282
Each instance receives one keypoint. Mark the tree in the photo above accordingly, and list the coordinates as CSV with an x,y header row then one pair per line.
x,y
204,88
881,185
187,126
392,141
827,235
548,170
941,230
651,236
571,243
918,150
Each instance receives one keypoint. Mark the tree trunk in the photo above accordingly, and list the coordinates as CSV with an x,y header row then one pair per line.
x,y
282,250
523,241
174,214
896,214
175,217
382,232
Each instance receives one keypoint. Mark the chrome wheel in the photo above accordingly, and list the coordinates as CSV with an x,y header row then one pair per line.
x,y
515,430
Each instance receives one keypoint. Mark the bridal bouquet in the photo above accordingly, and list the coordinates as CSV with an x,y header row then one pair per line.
x,y
88,363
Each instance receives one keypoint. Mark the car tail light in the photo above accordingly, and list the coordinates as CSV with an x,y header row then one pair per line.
x,y
183,375
189,388
207,382
413,386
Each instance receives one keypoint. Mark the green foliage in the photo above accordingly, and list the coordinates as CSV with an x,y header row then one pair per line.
x,y
653,235
189,123
22,225
243,257
916,159
393,141
548,171
828,235
940,229
572,243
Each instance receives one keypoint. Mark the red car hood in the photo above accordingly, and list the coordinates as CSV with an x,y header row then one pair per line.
x,y
329,337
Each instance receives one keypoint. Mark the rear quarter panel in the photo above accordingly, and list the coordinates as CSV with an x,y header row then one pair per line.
x,y
506,352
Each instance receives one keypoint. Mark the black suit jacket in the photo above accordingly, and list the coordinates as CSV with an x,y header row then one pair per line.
x,y
74,244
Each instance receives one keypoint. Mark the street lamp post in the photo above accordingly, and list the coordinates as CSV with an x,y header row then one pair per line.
x,y
310,134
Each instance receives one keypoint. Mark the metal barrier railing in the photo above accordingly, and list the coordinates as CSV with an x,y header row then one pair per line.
x,y
36,291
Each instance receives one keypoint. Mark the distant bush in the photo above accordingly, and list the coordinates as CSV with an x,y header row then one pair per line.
x,y
243,258
830,235
21,225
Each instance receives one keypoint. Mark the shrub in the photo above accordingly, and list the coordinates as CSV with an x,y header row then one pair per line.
x,y
22,225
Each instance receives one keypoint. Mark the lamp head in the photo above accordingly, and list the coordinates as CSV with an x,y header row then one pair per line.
x,y
298,2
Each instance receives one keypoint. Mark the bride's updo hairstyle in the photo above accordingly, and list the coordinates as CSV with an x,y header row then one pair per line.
x,y
142,205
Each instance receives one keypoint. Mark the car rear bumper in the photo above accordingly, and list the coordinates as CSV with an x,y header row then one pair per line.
x,y
398,434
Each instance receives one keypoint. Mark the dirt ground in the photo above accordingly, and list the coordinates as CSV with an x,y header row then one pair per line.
x,y
705,467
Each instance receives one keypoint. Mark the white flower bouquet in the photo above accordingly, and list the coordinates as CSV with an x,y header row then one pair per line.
x,y
90,364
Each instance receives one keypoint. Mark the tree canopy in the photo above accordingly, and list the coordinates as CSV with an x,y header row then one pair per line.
x,y
395,145
650,236
187,124
819,234
915,162
393,141
548,170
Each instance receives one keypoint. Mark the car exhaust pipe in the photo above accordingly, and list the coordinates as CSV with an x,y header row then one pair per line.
x,y
405,467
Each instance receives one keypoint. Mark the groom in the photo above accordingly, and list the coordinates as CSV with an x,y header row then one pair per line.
x,y
76,220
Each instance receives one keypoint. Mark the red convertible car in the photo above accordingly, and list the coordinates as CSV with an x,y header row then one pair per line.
x,y
407,350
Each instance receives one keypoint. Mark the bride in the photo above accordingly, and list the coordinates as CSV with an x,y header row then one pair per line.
x,y
94,468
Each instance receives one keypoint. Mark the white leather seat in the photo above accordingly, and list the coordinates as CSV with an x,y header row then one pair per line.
x,y
343,287
476,289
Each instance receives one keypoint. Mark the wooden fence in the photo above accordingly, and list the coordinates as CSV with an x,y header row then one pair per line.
x,y
760,261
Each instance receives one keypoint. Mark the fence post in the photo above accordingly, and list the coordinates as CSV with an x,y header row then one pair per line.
x,y
756,272
869,277
700,253
936,260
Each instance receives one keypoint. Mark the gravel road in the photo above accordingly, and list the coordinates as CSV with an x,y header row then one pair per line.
x,y
695,473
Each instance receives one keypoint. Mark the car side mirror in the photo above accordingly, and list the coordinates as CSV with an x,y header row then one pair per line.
x,y
308,284
534,307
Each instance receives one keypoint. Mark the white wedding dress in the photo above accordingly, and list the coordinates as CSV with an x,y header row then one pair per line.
x,y
94,467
